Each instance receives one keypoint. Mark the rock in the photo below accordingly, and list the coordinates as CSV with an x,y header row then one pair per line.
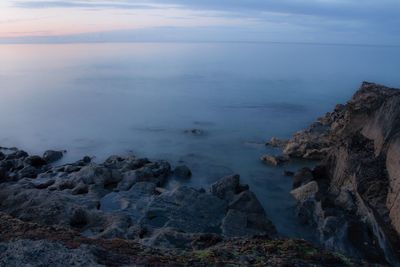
x,y
51,156
35,161
94,174
304,192
72,168
79,218
238,223
43,183
204,241
226,187
274,160
129,178
187,210
275,142
80,189
288,173
160,190
358,178
28,172
43,253
182,172
246,201
194,131
302,176
64,247
18,154
123,198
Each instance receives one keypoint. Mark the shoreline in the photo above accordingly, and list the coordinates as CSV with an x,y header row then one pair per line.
x,y
124,199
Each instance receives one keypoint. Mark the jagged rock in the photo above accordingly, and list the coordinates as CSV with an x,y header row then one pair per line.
x,y
35,161
274,160
302,176
227,187
43,183
275,142
246,201
18,154
51,156
80,189
304,192
358,179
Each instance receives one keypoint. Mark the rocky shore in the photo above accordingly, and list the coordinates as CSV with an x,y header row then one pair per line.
x,y
120,212
352,197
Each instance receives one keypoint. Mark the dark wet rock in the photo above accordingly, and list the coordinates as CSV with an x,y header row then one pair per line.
x,y
52,155
352,197
28,172
129,178
186,209
35,161
246,201
274,160
302,176
305,192
182,171
80,189
195,131
43,183
288,173
43,253
275,142
71,168
227,187
18,154
2,156
79,218
155,172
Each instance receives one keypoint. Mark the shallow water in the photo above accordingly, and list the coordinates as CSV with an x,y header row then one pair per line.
x,y
103,99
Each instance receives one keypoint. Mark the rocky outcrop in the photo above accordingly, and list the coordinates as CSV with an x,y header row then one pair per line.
x,y
119,214
124,198
353,196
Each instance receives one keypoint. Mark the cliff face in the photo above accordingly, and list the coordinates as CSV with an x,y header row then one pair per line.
x,y
356,197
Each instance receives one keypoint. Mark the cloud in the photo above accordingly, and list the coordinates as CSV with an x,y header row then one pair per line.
x,y
361,21
88,4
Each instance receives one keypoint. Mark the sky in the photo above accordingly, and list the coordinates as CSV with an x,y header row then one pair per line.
x,y
369,22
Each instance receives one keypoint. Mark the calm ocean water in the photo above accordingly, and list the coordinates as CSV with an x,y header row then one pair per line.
x,y
103,99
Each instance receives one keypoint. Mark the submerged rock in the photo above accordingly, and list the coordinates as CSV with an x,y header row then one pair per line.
x,y
195,131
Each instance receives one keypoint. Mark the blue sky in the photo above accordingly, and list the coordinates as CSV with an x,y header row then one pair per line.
x,y
322,21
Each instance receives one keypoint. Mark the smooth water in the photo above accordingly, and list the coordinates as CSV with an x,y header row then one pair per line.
x,y
103,99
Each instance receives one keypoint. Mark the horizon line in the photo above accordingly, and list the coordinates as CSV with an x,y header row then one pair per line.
x,y
61,42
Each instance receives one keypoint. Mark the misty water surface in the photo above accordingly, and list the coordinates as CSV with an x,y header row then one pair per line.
x,y
103,99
